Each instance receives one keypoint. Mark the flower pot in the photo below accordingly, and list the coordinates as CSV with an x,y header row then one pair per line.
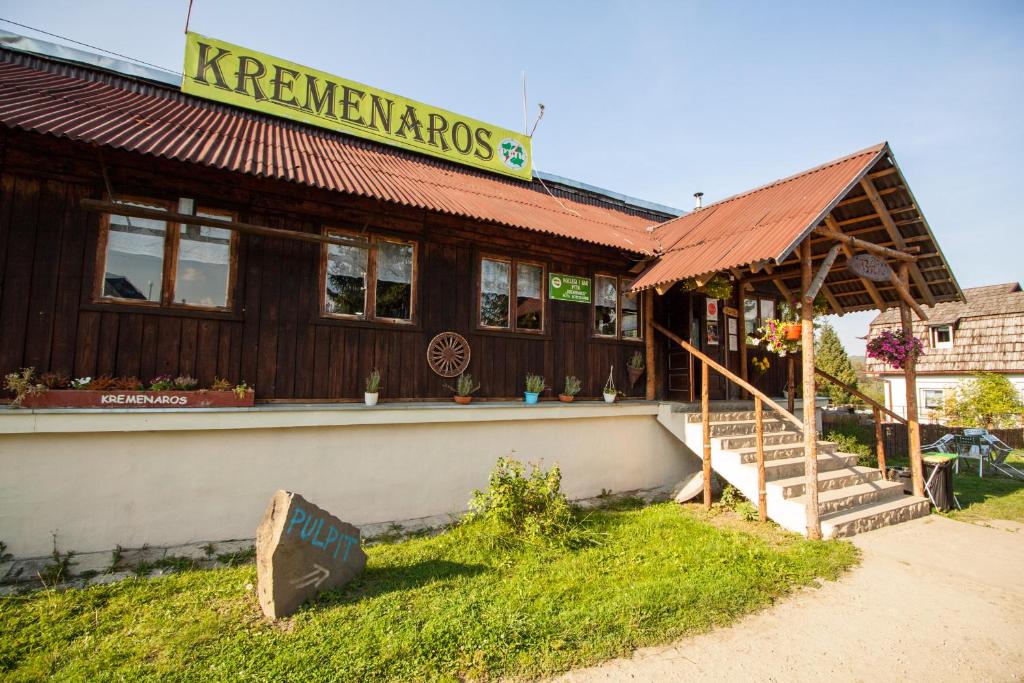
x,y
609,398
566,398
633,374
792,331
463,400
371,399
531,396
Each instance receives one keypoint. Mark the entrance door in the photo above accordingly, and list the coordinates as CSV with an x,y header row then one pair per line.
x,y
678,362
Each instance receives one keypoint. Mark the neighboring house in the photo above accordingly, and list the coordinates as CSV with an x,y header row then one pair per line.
x,y
983,333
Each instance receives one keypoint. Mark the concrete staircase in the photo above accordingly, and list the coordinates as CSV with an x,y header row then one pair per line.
x,y
851,499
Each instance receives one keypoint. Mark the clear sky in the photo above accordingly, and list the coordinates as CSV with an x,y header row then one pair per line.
x,y
659,100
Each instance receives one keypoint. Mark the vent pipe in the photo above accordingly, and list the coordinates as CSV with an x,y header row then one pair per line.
x,y
697,204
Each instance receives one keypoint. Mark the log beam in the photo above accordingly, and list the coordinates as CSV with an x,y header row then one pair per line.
x,y
652,377
868,285
853,242
810,426
910,375
823,269
897,238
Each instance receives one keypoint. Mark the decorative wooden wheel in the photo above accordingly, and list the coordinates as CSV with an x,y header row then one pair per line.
x,y
448,354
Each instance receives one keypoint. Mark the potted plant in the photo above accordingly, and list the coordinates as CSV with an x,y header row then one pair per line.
x,y
894,348
534,386
372,388
56,390
610,392
572,387
777,336
635,367
464,389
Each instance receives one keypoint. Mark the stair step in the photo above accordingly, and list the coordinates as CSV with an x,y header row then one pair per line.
x,y
746,427
850,497
785,468
732,443
728,416
748,454
871,516
827,481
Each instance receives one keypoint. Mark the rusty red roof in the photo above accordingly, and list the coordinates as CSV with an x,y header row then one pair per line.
x,y
762,224
128,114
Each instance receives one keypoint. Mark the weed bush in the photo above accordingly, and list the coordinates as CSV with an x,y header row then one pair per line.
x,y
850,441
526,507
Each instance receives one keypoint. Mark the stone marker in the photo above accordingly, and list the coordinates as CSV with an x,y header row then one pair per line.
x,y
302,550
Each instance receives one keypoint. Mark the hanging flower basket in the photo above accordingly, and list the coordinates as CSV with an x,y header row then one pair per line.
x,y
894,348
776,336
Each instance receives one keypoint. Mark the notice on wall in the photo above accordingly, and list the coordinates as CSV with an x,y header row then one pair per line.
x,y
732,325
302,550
569,288
712,332
734,344
712,306
236,75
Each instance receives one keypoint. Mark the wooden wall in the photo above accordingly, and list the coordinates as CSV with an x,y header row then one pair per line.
x,y
275,338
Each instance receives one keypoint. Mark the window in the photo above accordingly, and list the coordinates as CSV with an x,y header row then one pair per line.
x,y
369,278
154,262
498,279
931,399
755,312
942,337
616,311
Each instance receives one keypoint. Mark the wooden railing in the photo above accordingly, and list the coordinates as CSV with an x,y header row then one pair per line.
x,y
876,407
760,400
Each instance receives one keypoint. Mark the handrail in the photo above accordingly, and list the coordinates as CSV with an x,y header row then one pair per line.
x,y
864,397
736,379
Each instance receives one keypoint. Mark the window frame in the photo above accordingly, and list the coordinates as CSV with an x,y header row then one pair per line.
x,y
619,284
513,281
169,264
936,344
370,297
924,398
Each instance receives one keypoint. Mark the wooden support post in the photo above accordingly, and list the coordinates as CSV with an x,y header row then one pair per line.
x,y
741,329
879,442
705,414
910,374
762,490
790,383
810,425
652,375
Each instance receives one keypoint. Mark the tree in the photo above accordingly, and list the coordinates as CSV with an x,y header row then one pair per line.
x,y
830,356
987,400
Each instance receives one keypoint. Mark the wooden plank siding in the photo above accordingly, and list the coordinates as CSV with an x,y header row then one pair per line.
x,y
275,337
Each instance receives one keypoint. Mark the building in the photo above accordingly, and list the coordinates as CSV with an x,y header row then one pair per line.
x,y
148,232
983,333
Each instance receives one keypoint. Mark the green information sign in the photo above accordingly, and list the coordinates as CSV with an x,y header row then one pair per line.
x,y
569,288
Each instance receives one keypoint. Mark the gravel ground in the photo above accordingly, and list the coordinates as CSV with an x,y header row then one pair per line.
x,y
933,600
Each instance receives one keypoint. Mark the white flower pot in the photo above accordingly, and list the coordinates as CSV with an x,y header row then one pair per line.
x,y
371,399
609,398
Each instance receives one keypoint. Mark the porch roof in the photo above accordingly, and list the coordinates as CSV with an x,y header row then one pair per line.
x,y
862,195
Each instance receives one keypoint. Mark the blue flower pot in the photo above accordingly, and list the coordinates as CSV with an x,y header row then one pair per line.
x,y
531,396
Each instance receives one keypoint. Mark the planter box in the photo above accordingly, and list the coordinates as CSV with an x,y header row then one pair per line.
x,y
73,398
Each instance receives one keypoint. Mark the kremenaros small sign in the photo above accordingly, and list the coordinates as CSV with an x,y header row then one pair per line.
x,y
569,288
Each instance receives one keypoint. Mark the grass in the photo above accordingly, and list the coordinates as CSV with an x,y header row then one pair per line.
x,y
438,608
990,497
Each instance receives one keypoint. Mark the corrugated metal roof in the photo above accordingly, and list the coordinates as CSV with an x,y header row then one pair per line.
x,y
762,224
94,107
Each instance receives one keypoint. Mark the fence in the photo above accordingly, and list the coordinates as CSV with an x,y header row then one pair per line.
x,y
894,434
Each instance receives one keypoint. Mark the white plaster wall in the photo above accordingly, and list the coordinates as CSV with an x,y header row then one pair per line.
x,y
897,390
99,489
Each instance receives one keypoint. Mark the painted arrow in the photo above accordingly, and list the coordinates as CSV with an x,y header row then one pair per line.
x,y
314,578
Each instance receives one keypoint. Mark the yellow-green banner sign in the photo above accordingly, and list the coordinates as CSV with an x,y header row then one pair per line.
x,y
236,75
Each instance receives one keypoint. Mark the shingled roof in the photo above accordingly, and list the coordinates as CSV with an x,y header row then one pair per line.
x,y
988,332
